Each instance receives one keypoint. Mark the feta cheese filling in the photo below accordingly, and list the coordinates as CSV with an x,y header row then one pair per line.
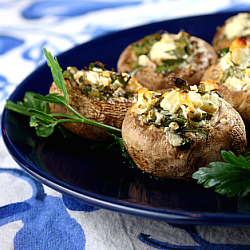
x,y
102,84
179,111
166,53
236,65
238,25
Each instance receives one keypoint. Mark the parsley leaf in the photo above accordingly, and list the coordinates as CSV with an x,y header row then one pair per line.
x,y
230,178
28,102
57,74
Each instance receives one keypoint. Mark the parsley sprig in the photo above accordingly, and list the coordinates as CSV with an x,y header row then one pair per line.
x,y
36,106
230,178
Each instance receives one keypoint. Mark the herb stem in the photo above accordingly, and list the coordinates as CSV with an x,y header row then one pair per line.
x,y
94,123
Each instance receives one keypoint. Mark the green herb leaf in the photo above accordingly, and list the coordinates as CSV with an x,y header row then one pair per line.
x,y
42,122
57,74
231,158
169,65
17,107
42,129
246,155
223,52
46,118
228,178
27,103
51,98
143,47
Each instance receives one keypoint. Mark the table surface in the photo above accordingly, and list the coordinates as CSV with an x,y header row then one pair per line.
x,y
57,221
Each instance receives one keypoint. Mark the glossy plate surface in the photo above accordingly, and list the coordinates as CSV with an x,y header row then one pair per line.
x,y
100,176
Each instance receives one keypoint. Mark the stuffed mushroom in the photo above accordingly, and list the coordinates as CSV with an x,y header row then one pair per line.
x,y
170,135
235,26
232,74
99,95
159,57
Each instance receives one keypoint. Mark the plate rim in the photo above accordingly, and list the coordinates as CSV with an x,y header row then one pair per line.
x,y
171,216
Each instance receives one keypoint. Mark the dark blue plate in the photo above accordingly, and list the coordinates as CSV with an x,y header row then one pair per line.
x,y
100,176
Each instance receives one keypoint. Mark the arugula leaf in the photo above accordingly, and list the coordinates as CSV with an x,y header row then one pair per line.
x,y
229,178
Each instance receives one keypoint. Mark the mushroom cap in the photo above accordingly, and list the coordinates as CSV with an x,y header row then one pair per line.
x,y
152,152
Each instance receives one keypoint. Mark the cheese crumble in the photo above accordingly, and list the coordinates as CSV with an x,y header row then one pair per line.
x,y
102,84
178,111
166,52
238,25
235,65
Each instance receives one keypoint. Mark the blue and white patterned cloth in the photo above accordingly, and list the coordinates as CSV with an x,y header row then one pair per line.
x,y
33,216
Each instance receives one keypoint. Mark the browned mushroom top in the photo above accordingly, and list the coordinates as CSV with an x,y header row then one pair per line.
x,y
235,26
235,65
